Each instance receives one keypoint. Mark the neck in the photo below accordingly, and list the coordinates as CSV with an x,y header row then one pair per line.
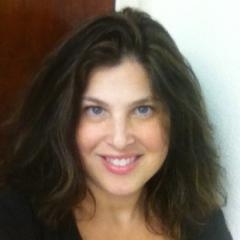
x,y
115,209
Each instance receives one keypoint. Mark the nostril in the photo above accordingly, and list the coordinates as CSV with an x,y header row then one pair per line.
x,y
120,133
121,140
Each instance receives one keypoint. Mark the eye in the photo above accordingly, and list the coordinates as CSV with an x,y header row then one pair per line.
x,y
144,111
94,111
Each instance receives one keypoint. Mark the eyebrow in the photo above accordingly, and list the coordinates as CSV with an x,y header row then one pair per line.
x,y
136,102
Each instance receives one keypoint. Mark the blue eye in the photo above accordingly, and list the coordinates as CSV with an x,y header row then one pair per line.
x,y
94,111
144,111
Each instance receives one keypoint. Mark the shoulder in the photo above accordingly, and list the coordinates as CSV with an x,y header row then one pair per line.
x,y
16,217
18,221
215,228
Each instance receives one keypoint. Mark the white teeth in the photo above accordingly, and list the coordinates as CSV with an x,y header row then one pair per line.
x,y
120,162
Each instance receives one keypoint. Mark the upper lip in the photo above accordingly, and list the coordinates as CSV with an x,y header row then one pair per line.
x,y
125,156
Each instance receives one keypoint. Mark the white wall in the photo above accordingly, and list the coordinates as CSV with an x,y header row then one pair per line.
x,y
208,34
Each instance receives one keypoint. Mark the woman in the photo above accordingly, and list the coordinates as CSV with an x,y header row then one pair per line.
x,y
113,141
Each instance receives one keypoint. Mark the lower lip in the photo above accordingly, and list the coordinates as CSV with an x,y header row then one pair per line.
x,y
120,170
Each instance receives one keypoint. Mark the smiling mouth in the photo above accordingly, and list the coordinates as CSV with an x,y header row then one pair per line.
x,y
120,164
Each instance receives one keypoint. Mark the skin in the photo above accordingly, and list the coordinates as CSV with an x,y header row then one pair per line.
x,y
120,119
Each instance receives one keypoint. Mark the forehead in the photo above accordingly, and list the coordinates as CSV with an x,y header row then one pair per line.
x,y
128,78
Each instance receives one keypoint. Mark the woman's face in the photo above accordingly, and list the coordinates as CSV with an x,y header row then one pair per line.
x,y
123,134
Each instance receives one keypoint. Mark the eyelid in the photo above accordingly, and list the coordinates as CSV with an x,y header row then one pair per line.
x,y
145,105
86,109
149,113
88,106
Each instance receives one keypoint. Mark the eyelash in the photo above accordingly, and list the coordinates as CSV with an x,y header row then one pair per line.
x,y
89,110
149,112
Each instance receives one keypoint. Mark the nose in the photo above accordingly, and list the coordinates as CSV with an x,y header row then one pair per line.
x,y
121,134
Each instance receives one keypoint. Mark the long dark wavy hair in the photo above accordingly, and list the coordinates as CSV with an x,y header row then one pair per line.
x,y
43,160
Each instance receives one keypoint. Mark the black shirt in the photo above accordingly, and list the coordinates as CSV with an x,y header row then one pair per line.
x,y
17,222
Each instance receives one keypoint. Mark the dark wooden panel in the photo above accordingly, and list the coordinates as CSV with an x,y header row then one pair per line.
x,y
28,31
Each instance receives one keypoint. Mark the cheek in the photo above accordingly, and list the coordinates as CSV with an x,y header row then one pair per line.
x,y
88,137
154,136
